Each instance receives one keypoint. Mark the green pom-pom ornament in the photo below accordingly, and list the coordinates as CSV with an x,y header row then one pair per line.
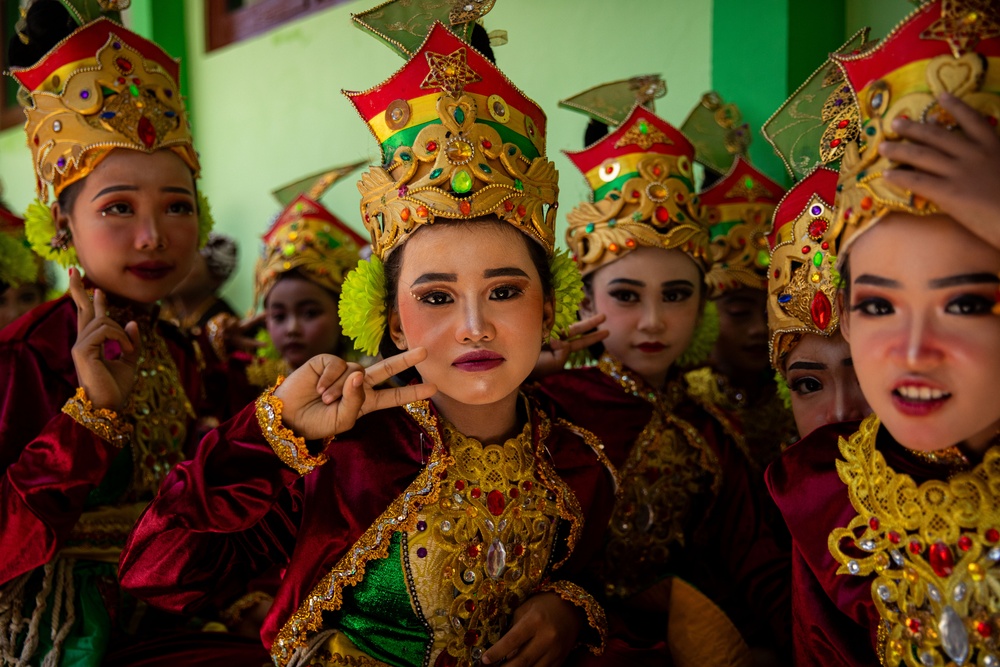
x,y
205,220
705,335
269,351
362,305
17,263
567,284
40,229
784,392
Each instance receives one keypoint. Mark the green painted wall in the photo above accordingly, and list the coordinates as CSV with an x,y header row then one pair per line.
x,y
879,15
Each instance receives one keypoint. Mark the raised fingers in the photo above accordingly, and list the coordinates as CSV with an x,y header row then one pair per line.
x,y
952,144
923,157
329,369
381,399
512,641
973,123
380,372
79,295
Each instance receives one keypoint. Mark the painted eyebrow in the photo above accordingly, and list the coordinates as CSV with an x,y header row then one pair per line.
x,y
627,281
965,279
877,281
132,188
678,283
807,366
509,271
435,278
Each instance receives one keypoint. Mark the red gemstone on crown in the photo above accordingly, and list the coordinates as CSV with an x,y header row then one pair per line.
x,y
465,207
942,560
844,123
147,133
984,629
893,537
834,143
476,493
487,143
821,310
662,215
514,493
915,547
460,484
474,550
913,625
992,535
965,543
817,228
495,502
124,65
874,523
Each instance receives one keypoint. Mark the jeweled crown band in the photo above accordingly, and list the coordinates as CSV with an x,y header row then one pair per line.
x,y
101,88
473,148
948,46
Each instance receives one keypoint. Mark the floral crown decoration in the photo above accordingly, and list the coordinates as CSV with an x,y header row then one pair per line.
x,y
101,88
307,237
642,180
459,142
943,46
738,210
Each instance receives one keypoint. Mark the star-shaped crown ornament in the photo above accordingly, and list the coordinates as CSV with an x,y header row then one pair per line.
x,y
307,237
943,46
642,179
459,141
101,88
738,210
802,282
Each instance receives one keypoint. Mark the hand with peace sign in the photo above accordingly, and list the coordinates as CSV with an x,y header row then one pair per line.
x,y
107,382
326,395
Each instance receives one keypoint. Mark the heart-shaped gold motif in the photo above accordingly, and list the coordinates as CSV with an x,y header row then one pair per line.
x,y
958,76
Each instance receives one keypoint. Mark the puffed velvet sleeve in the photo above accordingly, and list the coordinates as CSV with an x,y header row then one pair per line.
x,y
50,463
219,520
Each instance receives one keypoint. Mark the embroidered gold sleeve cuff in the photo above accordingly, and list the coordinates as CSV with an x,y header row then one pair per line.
x,y
215,330
576,596
289,447
105,424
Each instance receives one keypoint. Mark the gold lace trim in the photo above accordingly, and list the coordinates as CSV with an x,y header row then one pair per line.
x,y
373,544
484,547
105,424
668,469
934,549
578,597
290,448
215,331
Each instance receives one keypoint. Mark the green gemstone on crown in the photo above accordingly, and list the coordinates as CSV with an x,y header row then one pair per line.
x,y
461,182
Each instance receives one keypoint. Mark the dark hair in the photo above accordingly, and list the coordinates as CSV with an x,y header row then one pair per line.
x,y
394,264
845,280
46,24
480,41
296,274
596,130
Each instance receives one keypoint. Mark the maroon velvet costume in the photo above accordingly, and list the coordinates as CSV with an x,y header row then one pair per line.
x,y
834,617
54,468
729,555
236,510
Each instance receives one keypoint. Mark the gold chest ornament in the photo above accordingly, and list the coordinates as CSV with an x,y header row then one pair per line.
x,y
934,549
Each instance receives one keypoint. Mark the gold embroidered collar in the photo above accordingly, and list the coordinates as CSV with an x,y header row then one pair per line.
x,y
934,549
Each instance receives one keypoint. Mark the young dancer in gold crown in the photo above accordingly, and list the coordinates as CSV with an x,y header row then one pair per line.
x,y
446,531
96,406
815,371
689,510
738,210
896,519
300,274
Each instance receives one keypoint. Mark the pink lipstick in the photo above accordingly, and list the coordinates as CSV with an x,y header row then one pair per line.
x,y
478,361
150,270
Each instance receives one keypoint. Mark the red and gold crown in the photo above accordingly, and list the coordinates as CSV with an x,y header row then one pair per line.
x,y
308,238
738,210
643,183
802,281
944,46
101,88
459,141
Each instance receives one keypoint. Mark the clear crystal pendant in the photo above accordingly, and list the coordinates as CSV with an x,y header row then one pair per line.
x,y
954,637
496,559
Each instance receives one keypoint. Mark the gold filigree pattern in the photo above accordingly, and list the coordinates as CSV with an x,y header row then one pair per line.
x,y
449,73
105,424
667,476
655,209
643,135
934,550
401,515
290,448
740,257
964,23
159,410
484,547
469,159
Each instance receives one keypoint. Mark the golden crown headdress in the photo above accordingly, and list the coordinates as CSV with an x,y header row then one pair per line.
x,y
943,46
803,282
307,237
738,210
642,179
101,88
459,141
